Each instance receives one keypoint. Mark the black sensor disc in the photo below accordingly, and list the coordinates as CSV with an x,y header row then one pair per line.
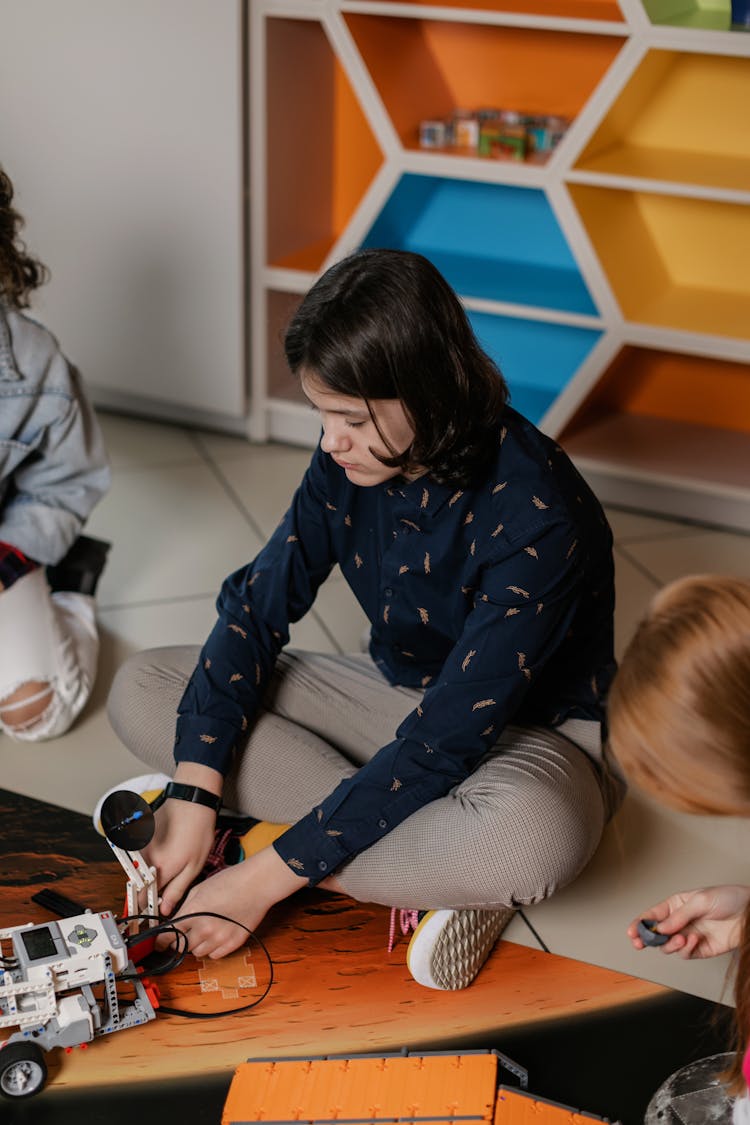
x,y
127,820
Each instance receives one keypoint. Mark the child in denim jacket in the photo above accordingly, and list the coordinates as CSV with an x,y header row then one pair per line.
x,y
53,470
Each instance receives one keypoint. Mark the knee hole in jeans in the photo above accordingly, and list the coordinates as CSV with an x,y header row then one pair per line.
x,y
25,705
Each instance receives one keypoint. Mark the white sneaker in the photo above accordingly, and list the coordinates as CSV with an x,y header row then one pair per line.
x,y
449,947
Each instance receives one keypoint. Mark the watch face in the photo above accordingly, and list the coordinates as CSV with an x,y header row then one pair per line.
x,y
127,820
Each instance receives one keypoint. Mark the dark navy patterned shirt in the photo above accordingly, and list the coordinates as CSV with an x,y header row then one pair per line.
x,y
497,600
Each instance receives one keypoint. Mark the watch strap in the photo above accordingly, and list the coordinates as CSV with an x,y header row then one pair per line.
x,y
192,793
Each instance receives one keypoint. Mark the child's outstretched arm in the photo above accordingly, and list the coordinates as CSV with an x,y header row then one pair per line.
x,y
700,923
245,893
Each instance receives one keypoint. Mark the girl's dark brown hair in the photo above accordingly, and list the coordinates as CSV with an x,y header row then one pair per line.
x,y
679,719
20,273
385,324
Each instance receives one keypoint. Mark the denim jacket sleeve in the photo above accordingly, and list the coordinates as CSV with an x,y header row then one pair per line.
x,y
53,466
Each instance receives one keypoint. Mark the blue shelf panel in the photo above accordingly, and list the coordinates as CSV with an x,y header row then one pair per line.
x,y
490,241
537,359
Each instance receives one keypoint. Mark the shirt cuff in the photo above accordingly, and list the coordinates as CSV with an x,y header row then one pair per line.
x,y
207,741
309,850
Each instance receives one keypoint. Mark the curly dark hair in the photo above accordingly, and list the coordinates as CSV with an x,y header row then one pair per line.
x,y
20,273
385,324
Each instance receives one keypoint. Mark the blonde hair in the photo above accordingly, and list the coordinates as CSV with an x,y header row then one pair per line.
x,y
679,707
679,721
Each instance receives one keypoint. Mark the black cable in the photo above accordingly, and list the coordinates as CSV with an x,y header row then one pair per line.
x,y
168,927
536,935
182,942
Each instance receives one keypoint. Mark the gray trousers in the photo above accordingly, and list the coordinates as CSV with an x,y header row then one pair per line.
x,y
523,824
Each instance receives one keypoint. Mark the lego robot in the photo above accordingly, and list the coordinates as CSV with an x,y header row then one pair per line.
x,y
65,983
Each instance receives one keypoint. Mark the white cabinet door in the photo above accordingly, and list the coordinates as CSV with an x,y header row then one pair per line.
x,y
121,126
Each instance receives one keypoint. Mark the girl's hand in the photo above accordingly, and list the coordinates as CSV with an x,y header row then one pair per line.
x,y
701,923
183,837
179,849
244,893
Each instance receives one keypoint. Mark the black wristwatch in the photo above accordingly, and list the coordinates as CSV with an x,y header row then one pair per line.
x,y
192,793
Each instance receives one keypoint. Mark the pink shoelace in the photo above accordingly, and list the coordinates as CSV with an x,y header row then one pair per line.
x,y
408,921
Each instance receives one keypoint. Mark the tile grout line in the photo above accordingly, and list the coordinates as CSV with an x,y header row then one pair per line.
x,y
227,487
619,549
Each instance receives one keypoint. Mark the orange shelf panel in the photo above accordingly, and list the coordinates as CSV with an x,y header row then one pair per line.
x,y
661,384
570,9
321,153
425,69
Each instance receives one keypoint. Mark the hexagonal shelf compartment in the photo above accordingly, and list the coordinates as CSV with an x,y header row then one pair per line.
x,y
427,68
681,118
321,153
491,241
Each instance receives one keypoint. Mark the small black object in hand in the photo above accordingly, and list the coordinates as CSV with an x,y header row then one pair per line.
x,y
649,935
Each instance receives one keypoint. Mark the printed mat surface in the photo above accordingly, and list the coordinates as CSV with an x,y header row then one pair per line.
x,y
589,1037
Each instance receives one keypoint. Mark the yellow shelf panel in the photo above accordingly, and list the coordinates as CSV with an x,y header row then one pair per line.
x,y
674,262
425,69
321,153
678,166
681,118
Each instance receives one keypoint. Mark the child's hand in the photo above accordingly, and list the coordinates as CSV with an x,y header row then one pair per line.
x,y
182,840
701,923
244,893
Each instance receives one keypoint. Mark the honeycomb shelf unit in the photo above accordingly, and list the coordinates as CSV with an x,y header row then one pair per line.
x,y
608,280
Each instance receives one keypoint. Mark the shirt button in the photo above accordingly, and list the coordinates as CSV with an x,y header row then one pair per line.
x,y
322,865
382,823
388,592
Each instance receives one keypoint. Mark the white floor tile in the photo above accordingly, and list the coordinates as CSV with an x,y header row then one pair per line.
x,y
264,478
647,854
628,525
633,592
175,532
700,551
135,444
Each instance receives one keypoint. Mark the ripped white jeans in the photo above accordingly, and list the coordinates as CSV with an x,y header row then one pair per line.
x,y
50,639
741,1110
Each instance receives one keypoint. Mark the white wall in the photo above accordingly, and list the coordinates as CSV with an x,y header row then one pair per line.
x,y
121,128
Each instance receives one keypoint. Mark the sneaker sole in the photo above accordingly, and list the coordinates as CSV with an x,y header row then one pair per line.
x,y
449,947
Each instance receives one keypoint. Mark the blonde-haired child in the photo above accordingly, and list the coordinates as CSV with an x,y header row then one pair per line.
x,y
679,724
